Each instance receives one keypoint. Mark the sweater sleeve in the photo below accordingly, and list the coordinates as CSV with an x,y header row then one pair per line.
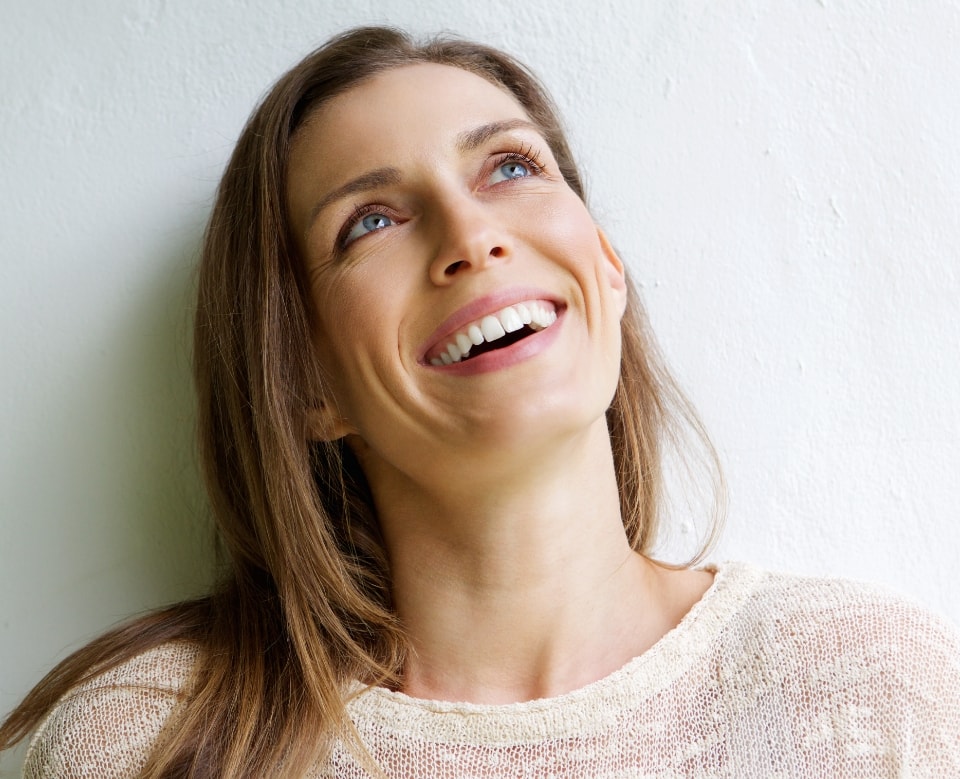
x,y
106,732
877,682
108,727
926,692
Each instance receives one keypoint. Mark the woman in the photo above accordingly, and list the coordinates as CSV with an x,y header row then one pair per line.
x,y
431,419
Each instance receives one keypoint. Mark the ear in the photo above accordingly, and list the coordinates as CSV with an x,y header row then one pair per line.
x,y
325,423
614,271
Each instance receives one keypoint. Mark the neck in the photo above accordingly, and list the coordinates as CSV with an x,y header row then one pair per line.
x,y
523,585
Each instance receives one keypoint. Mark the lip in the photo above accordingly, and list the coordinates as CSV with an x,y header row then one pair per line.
x,y
517,352
481,307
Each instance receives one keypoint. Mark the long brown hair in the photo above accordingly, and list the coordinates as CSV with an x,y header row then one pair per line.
x,y
305,608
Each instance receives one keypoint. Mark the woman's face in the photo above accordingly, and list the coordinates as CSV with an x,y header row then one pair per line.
x,y
467,306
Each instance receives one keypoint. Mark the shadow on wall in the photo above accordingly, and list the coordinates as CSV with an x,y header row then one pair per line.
x,y
144,409
111,515
162,495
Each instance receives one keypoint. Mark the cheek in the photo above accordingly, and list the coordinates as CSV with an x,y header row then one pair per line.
x,y
356,341
340,304
568,226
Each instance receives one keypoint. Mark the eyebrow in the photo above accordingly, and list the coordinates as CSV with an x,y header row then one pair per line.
x,y
383,177
472,139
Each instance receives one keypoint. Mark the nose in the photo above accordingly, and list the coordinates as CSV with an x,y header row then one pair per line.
x,y
470,238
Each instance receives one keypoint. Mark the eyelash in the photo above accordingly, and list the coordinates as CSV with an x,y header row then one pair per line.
x,y
358,213
524,154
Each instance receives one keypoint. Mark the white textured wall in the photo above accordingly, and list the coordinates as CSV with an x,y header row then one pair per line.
x,y
784,178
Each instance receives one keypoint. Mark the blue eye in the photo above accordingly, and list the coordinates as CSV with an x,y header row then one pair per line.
x,y
368,223
511,169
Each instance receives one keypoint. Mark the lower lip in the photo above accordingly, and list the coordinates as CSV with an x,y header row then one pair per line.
x,y
498,359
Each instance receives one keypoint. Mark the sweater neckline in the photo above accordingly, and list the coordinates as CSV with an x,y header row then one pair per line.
x,y
643,676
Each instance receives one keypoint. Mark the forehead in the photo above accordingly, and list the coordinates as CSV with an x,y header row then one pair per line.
x,y
402,104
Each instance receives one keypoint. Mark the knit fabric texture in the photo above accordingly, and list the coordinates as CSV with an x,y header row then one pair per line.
x,y
768,676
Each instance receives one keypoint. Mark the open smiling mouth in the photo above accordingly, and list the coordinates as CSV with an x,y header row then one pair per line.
x,y
494,331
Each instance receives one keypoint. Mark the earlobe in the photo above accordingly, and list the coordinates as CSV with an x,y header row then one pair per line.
x,y
616,273
325,423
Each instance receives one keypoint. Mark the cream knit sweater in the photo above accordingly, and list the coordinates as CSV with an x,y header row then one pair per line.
x,y
768,676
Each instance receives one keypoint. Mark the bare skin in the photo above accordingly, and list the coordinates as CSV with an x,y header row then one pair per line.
x,y
563,602
493,477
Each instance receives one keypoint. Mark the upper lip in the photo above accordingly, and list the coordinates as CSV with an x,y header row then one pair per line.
x,y
479,308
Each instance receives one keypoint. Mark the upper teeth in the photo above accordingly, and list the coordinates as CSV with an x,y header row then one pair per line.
x,y
493,326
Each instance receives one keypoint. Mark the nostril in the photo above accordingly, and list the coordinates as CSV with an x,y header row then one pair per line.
x,y
453,267
496,252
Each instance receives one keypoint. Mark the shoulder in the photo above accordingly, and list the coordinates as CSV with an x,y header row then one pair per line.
x,y
854,613
825,618
856,659
108,726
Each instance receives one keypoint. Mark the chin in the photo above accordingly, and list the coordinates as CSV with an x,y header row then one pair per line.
x,y
540,420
